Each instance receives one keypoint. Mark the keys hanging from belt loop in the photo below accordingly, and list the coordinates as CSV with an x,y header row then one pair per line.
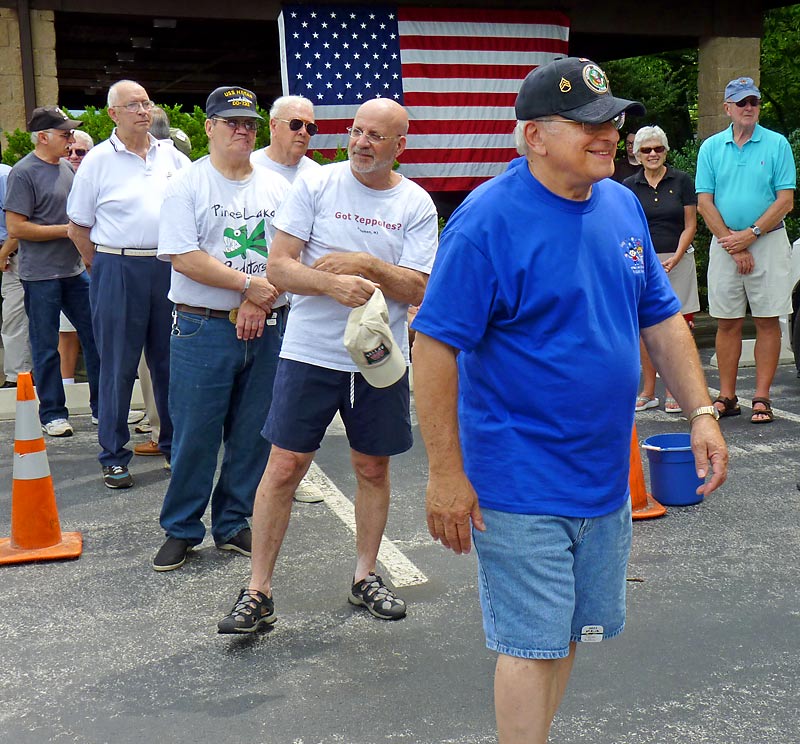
x,y
175,331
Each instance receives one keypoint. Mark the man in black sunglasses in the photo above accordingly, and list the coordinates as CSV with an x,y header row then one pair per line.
x,y
745,187
291,127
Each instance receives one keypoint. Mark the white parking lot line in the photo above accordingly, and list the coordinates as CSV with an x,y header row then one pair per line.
x,y
401,570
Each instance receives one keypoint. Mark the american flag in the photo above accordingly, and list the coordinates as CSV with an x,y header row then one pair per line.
x,y
457,72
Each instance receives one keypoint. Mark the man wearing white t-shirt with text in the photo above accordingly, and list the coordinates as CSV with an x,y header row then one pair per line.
x,y
226,330
343,230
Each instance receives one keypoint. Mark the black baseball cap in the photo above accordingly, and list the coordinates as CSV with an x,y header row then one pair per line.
x,y
572,87
51,117
231,101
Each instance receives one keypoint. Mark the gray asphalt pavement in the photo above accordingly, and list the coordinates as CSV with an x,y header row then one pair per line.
x,y
103,649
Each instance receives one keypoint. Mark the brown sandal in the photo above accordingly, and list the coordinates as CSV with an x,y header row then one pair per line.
x,y
731,406
766,411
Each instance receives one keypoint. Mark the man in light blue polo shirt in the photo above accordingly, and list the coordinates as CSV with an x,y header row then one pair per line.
x,y
745,185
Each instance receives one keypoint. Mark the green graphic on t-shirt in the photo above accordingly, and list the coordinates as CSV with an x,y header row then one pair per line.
x,y
256,241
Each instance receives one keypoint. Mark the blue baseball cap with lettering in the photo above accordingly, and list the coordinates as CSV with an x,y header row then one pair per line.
x,y
232,102
573,87
741,88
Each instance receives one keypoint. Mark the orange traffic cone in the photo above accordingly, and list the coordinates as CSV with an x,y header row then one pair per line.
x,y
643,505
35,530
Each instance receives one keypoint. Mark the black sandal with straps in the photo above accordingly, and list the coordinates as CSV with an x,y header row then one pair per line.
x,y
731,406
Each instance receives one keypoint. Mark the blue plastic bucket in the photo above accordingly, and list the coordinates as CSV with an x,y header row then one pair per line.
x,y
673,480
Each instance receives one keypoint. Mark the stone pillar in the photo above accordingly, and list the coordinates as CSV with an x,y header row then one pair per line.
x,y
43,36
720,60
43,33
12,104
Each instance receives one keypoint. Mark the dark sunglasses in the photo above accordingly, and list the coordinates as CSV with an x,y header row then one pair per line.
x,y
297,124
752,100
647,150
79,151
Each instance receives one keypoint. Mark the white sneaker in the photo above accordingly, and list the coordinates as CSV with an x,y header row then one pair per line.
x,y
143,427
58,428
134,417
94,421
308,493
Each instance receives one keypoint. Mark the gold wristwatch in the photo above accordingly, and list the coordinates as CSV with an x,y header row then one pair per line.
x,y
702,411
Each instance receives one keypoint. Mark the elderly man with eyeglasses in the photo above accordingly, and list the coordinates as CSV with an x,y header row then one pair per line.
x,y
342,231
50,268
526,365
226,330
745,185
114,211
291,127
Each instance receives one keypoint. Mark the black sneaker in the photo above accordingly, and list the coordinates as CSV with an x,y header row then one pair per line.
x,y
241,542
172,554
117,476
379,600
251,610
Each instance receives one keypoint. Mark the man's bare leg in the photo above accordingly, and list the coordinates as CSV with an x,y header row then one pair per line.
x,y
729,351
527,694
767,353
272,510
372,508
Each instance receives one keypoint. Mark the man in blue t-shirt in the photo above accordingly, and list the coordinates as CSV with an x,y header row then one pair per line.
x,y
526,369
745,187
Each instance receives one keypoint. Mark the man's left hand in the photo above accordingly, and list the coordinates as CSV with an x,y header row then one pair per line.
x,y
710,450
250,321
343,263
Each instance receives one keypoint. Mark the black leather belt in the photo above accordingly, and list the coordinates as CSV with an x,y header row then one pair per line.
x,y
230,315
206,312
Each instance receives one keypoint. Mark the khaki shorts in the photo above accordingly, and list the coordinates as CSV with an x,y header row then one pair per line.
x,y
767,288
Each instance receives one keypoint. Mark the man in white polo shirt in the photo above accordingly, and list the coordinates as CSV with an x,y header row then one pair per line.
x,y
226,330
291,127
114,210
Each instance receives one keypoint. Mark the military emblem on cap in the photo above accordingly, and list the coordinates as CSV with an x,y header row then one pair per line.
x,y
565,86
595,78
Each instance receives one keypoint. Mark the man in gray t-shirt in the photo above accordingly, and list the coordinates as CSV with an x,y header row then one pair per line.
x,y
50,266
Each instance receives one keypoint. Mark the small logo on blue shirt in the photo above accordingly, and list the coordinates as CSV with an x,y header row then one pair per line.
x,y
633,251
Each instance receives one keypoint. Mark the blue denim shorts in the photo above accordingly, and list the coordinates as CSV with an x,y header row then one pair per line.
x,y
305,399
545,581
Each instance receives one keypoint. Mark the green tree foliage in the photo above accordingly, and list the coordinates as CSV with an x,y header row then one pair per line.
x,y
667,86
780,69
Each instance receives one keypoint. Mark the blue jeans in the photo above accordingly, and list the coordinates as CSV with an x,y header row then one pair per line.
x,y
220,392
130,310
44,300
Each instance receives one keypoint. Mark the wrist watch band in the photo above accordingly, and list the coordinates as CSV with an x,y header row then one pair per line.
x,y
755,229
704,411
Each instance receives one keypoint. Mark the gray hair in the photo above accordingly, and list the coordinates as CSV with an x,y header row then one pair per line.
x,y
83,139
159,125
279,103
111,100
35,136
519,137
652,132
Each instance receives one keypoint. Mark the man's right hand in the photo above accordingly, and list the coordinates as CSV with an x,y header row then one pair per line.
x,y
744,261
451,504
350,291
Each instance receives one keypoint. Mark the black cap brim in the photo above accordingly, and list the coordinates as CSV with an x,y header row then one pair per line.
x,y
604,108
68,124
